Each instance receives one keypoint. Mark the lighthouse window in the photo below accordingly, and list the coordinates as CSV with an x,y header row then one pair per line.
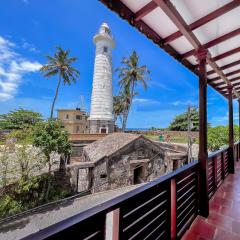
x,y
105,49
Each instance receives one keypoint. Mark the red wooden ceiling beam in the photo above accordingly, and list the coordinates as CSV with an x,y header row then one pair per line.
x,y
179,22
126,13
227,75
226,54
217,85
145,10
233,64
234,79
200,22
235,85
214,42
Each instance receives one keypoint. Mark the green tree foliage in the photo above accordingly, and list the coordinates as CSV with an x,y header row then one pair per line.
x,y
19,119
180,122
22,136
118,107
50,138
218,137
4,165
130,74
33,185
28,193
60,64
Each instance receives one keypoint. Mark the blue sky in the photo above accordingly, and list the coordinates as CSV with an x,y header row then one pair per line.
x,y
30,29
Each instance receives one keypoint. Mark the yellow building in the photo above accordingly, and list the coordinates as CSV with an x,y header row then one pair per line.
x,y
74,120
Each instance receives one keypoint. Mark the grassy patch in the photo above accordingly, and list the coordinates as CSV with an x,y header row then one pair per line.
x,y
173,139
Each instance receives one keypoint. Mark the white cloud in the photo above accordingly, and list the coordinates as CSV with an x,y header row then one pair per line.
x,y
145,100
183,103
12,69
29,46
160,85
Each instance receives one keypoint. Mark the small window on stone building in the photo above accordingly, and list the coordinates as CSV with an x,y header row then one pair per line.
x,y
77,130
103,175
105,49
78,117
67,116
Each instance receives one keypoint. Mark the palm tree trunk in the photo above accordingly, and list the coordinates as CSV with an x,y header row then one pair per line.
x,y
49,181
55,97
125,115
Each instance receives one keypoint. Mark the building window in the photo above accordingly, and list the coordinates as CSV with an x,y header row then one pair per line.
x,y
103,175
77,129
105,49
78,117
67,116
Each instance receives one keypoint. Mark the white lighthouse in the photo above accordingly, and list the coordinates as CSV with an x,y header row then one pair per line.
x,y
101,111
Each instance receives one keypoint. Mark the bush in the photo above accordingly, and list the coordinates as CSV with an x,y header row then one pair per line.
x,y
9,206
30,193
23,136
218,137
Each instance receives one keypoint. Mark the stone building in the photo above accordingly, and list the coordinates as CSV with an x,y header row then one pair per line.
x,y
73,120
122,159
101,110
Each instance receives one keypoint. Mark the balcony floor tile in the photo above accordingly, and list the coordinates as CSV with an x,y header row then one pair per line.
x,y
223,222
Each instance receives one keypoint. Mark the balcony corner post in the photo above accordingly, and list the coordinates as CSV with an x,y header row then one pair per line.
x,y
231,135
201,55
238,146
173,209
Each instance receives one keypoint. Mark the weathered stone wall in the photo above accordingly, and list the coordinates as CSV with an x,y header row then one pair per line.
x,y
165,132
96,125
77,149
35,163
100,176
119,169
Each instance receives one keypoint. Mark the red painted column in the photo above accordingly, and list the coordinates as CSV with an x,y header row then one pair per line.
x,y
173,209
231,136
238,130
203,152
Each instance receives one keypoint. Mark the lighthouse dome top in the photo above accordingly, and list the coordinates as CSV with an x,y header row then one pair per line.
x,y
104,29
104,33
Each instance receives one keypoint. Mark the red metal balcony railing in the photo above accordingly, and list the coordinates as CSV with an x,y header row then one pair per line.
x,y
161,209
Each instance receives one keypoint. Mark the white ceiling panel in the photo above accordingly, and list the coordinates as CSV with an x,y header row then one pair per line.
x,y
192,10
135,5
160,22
181,45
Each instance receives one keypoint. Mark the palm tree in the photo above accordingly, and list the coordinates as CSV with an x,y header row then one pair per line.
x,y
60,64
117,107
130,75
